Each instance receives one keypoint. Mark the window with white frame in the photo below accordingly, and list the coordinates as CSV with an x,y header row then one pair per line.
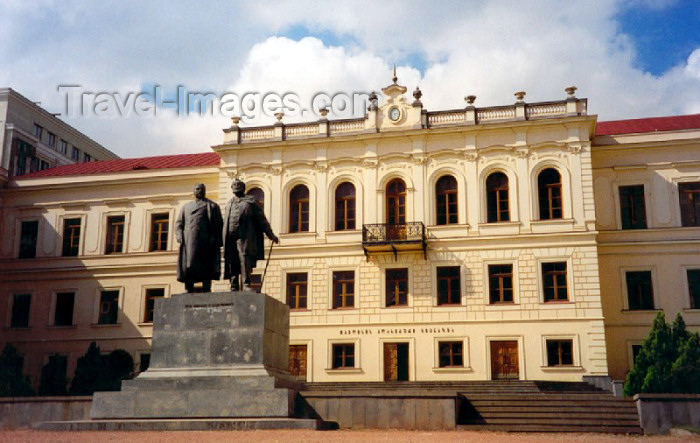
x,y
343,355
555,285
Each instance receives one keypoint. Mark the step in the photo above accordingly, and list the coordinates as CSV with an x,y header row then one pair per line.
x,y
559,421
541,410
543,397
551,403
553,428
558,415
204,424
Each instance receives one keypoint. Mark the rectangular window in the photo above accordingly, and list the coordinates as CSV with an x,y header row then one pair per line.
x,y
20,310
159,231
29,232
633,213
451,354
694,288
63,147
343,289
52,139
256,283
296,290
554,282
38,131
65,301
75,154
343,355
71,237
86,157
115,234
448,285
500,284
109,308
689,196
397,287
560,352
640,294
151,295
43,164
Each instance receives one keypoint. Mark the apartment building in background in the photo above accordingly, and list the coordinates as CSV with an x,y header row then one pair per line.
x,y
33,139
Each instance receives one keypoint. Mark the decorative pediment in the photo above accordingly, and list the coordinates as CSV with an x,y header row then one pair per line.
x,y
396,112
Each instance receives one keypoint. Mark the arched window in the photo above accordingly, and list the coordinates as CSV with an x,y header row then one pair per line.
x,y
446,200
497,198
549,190
259,195
396,202
345,207
299,209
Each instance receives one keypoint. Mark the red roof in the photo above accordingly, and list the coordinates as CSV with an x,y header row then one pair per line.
x,y
654,124
130,164
641,125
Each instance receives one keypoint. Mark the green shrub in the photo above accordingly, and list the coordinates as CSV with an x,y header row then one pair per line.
x,y
669,360
53,376
13,383
97,372
87,372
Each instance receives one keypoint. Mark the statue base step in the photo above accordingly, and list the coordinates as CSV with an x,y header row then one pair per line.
x,y
214,355
232,424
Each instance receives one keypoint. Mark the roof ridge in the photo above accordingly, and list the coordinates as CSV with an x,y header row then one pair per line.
x,y
169,161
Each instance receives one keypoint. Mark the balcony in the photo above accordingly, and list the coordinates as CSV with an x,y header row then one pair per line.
x,y
383,237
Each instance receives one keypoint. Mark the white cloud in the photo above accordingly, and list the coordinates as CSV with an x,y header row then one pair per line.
x,y
307,67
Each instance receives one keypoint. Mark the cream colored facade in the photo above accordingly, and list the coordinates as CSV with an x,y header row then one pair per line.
x,y
398,140
658,162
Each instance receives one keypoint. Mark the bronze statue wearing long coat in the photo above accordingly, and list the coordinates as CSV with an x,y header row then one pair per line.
x,y
244,226
198,230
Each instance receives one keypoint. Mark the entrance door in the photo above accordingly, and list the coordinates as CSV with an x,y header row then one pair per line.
x,y
297,361
504,360
395,361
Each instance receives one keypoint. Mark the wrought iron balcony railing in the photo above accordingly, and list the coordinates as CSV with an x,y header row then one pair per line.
x,y
394,237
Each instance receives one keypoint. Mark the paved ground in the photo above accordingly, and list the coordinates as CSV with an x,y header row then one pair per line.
x,y
22,436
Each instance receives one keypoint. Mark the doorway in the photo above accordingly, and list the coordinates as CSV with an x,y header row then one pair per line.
x,y
504,360
395,361
297,361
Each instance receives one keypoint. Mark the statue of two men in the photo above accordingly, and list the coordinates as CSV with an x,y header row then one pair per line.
x,y
201,232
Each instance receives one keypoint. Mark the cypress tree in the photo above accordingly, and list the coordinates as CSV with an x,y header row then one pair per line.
x,y
685,371
87,372
669,360
13,383
53,377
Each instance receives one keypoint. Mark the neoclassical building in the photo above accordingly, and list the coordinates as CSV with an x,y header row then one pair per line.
x,y
525,241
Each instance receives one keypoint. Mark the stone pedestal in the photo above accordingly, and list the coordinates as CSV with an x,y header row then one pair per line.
x,y
216,355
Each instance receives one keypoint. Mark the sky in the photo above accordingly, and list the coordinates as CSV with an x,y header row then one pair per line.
x,y
629,58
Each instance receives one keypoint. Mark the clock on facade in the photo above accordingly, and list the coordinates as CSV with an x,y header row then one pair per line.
x,y
394,114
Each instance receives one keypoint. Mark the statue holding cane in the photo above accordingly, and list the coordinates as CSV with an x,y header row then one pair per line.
x,y
244,226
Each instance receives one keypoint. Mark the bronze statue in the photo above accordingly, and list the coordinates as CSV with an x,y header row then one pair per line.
x,y
198,230
244,226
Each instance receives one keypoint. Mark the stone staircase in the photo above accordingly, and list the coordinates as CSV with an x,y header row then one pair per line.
x,y
551,407
514,406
